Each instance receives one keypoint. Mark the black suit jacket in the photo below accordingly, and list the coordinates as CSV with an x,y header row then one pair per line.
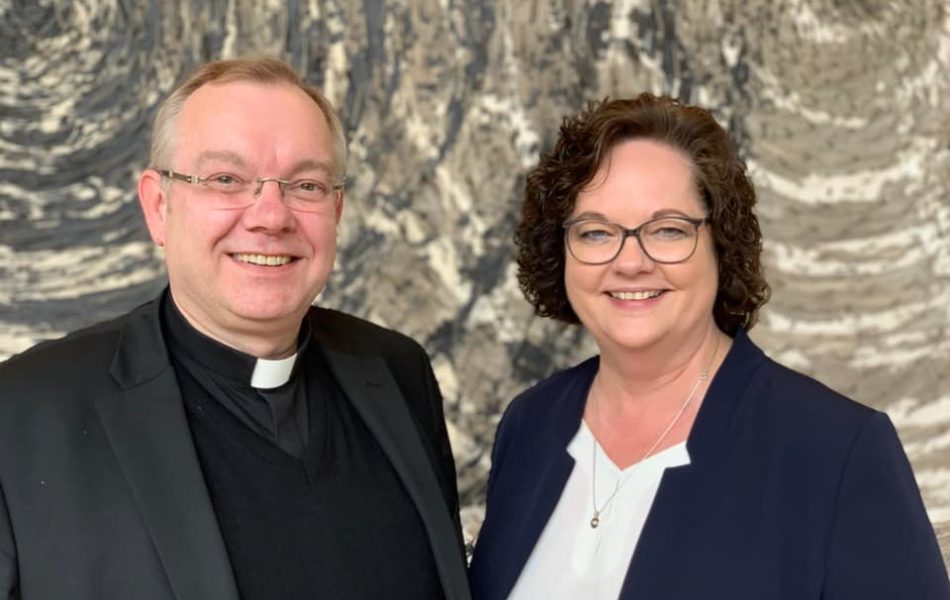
x,y
101,493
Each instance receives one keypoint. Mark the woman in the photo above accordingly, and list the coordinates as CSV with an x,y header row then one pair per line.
x,y
682,462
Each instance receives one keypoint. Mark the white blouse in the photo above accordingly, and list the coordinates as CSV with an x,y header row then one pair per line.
x,y
571,559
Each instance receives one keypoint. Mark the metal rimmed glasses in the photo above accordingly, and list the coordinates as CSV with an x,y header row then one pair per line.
x,y
665,240
230,191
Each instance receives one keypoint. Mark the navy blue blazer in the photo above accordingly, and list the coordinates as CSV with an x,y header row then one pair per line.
x,y
793,492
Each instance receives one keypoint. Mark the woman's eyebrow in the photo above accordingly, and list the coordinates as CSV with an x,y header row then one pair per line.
x,y
667,212
589,214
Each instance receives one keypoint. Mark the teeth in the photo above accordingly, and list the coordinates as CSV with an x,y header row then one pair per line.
x,y
636,295
263,259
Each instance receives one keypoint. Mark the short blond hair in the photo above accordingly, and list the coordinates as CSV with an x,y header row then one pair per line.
x,y
258,70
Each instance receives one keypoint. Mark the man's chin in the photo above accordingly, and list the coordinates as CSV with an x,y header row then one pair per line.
x,y
270,313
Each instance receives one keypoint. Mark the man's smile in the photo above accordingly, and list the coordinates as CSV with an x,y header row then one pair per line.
x,y
265,260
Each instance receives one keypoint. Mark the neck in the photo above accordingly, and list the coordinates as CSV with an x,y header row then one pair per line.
x,y
271,341
634,412
628,379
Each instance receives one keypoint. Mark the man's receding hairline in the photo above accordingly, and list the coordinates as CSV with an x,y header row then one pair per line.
x,y
237,158
264,72
272,83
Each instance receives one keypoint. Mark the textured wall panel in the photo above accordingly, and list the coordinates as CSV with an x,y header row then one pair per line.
x,y
842,110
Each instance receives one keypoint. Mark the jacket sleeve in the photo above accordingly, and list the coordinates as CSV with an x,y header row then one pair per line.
x,y
882,545
8,562
446,460
503,435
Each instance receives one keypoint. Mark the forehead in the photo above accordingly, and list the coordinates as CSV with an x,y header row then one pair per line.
x,y
265,124
639,178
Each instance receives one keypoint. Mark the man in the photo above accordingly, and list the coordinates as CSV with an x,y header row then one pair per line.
x,y
228,440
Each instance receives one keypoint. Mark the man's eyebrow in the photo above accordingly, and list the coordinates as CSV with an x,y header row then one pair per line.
x,y
312,165
307,164
220,155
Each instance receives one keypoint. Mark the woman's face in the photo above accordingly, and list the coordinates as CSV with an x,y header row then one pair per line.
x,y
632,302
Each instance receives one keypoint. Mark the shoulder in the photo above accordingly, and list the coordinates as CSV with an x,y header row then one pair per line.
x,y
360,342
347,333
557,391
842,464
761,389
51,387
806,404
778,417
76,356
549,412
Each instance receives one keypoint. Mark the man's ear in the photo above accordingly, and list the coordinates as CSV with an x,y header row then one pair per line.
x,y
154,201
339,206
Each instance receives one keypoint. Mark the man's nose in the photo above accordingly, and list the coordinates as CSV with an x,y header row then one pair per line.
x,y
269,212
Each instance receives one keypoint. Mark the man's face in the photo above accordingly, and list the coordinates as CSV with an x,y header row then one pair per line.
x,y
240,273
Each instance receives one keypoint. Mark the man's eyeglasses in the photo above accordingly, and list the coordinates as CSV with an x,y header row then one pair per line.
x,y
230,191
667,240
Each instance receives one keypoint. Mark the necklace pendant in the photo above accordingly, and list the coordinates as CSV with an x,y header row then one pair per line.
x,y
595,520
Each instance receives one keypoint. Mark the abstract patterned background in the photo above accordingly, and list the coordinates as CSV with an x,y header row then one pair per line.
x,y
842,110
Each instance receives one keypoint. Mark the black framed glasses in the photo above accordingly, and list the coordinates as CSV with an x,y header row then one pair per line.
x,y
231,191
666,240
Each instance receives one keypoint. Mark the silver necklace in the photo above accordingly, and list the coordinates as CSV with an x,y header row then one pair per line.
x,y
595,519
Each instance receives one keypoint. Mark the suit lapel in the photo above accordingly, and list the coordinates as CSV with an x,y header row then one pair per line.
x,y
146,426
553,465
370,386
531,519
669,532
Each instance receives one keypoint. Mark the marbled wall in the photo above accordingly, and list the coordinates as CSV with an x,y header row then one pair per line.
x,y
842,109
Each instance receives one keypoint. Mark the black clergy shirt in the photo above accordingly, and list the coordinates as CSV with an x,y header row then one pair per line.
x,y
332,521
277,414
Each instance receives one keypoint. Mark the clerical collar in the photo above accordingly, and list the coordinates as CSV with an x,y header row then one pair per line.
x,y
270,374
259,373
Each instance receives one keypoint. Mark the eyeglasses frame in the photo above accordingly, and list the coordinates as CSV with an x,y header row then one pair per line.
x,y
696,222
260,181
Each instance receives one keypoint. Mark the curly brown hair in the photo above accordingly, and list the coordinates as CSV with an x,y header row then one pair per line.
x,y
583,142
